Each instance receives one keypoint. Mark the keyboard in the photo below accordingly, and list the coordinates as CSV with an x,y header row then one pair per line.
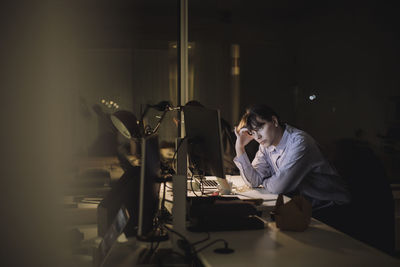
x,y
210,183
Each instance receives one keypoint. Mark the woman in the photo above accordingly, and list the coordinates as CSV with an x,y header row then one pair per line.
x,y
288,160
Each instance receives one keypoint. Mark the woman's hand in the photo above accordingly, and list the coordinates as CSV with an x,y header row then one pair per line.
x,y
243,137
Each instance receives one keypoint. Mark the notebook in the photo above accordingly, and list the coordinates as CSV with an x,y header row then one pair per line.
x,y
204,183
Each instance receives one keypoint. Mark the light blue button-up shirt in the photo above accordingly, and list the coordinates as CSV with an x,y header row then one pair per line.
x,y
295,165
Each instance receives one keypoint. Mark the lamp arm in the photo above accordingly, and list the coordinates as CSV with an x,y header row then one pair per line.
x,y
162,106
158,123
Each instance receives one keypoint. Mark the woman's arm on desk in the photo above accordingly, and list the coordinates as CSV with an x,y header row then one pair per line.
x,y
254,173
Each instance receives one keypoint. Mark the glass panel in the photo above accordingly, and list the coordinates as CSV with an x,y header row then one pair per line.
x,y
125,61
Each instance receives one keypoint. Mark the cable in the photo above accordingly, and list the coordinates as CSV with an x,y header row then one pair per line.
x,y
168,187
177,149
184,244
162,214
152,250
158,223
175,232
158,242
201,181
201,185
203,240
191,185
189,248
163,198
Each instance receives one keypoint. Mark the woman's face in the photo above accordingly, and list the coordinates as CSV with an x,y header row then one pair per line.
x,y
268,133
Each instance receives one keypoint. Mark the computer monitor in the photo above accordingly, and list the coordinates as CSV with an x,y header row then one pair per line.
x,y
203,132
113,232
125,192
149,190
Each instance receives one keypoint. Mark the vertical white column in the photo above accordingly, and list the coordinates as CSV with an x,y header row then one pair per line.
x,y
180,179
184,59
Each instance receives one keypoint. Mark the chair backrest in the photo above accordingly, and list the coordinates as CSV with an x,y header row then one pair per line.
x,y
372,204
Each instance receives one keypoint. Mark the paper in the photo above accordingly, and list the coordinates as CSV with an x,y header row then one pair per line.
x,y
241,189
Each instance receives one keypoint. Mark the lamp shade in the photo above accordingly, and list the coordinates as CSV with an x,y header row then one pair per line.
x,y
126,124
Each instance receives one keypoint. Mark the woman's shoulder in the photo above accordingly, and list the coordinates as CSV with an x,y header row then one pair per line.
x,y
298,136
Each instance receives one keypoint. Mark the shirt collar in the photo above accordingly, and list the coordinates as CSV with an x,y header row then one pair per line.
x,y
282,143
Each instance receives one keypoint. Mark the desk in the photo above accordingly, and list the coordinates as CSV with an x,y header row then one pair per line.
x,y
319,245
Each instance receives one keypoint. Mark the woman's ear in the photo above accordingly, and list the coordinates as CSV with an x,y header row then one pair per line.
x,y
275,121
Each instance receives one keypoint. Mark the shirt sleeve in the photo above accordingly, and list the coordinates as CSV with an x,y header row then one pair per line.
x,y
254,173
292,170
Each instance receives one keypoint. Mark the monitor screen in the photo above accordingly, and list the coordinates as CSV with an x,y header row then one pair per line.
x,y
149,185
203,131
113,232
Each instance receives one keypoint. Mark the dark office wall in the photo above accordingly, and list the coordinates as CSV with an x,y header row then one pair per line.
x,y
267,77
263,31
348,57
345,54
260,29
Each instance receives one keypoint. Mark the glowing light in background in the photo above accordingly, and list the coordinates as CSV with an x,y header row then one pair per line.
x,y
312,97
110,104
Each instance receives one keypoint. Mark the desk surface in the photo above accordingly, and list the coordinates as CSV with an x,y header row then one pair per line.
x,y
319,245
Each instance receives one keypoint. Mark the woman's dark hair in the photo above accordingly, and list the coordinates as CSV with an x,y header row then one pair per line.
x,y
259,111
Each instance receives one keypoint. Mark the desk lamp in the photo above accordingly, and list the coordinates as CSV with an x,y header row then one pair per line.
x,y
128,125
133,129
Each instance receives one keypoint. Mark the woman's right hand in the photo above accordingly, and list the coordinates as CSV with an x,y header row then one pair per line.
x,y
243,137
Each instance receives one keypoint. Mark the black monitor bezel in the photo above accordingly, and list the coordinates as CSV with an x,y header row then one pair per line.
x,y
204,125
